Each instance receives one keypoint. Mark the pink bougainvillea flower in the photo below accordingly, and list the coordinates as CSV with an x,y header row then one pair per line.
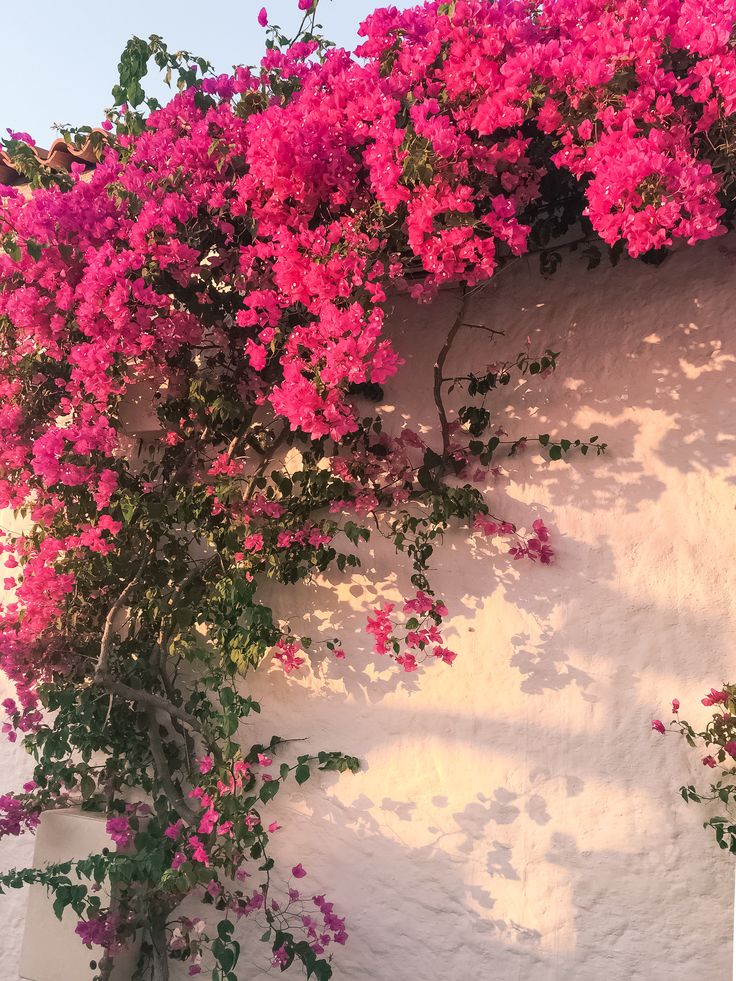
x,y
263,17
298,871
120,831
730,748
540,530
286,655
174,830
199,853
675,706
21,137
715,697
658,726
709,761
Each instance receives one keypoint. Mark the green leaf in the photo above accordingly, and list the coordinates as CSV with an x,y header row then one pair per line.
x,y
269,790
302,774
34,249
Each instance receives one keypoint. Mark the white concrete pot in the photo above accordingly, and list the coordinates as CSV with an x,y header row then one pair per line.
x,y
52,951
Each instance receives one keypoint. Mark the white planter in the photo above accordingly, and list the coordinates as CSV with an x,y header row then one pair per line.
x,y
52,951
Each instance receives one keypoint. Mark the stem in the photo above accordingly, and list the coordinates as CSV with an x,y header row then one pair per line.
x,y
152,701
105,967
439,372
175,796
107,633
159,952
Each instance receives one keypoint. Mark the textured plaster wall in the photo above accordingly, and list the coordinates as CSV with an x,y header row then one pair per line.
x,y
516,820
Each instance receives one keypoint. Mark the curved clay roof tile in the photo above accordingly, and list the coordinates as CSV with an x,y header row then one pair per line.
x,y
60,156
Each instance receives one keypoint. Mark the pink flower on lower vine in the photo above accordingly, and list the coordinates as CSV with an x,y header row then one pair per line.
x,y
280,957
298,871
199,853
540,530
715,697
381,627
658,726
120,831
174,830
445,654
287,657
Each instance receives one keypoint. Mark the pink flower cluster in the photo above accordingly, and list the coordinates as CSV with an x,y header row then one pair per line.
x,y
536,547
103,931
721,732
428,150
237,253
285,654
421,638
15,816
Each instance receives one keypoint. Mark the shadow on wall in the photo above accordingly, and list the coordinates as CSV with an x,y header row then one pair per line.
x,y
515,819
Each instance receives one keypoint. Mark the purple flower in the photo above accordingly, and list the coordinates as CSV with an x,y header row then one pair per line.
x,y
22,137
120,831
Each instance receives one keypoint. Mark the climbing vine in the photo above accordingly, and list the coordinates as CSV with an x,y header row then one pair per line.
x,y
230,256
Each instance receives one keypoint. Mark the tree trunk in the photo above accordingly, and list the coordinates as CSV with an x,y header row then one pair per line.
x,y
159,948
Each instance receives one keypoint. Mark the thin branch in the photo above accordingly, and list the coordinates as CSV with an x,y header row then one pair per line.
x,y
107,633
491,330
196,573
159,664
439,372
151,700
269,455
175,796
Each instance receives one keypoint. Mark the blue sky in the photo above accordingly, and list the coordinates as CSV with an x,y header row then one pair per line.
x,y
60,56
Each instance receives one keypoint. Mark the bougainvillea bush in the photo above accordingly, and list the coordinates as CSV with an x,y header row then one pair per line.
x,y
231,255
717,744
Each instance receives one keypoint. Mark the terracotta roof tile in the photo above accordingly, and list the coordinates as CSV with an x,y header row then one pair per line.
x,y
59,156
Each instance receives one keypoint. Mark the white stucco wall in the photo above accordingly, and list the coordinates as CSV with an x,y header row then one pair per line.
x,y
516,820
